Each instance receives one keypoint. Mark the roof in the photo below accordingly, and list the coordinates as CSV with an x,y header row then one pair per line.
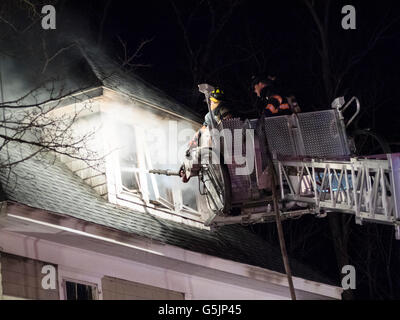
x,y
111,75
79,69
46,183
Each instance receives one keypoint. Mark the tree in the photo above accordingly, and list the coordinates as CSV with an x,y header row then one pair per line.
x,y
338,67
203,38
36,80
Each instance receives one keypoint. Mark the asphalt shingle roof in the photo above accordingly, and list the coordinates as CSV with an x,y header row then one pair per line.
x,y
112,75
46,183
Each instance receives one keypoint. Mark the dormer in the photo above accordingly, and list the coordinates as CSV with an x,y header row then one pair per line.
x,y
136,128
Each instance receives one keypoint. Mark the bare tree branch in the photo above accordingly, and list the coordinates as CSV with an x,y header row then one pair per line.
x,y
51,58
103,19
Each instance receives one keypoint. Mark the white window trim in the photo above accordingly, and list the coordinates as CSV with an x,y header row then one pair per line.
x,y
78,277
144,163
132,198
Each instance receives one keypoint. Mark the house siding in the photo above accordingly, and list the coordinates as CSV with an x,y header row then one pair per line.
x,y
117,289
86,260
21,278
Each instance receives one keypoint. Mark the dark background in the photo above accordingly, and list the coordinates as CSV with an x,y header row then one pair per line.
x,y
275,36
224,43
281,37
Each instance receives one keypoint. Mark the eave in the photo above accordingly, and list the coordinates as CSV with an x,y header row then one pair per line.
x,y
63,229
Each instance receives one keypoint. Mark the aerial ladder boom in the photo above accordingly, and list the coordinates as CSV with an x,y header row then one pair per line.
x,y
316,172
366,187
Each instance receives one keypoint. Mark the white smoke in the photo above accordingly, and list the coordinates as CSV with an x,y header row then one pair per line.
x,y
164,138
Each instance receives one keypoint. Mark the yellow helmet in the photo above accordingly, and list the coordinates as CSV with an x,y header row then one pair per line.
x,y
217,95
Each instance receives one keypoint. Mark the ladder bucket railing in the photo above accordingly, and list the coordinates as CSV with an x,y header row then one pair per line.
x,y
367,188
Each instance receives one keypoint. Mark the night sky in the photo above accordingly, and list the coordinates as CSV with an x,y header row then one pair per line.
x,y
274,36
278,37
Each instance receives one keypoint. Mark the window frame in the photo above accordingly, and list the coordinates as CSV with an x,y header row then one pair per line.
x,y
142,196
65,275
93,285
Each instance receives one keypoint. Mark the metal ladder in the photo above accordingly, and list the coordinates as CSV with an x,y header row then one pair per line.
x,y
369,187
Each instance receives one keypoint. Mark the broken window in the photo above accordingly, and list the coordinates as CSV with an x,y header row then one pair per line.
x,y
136,158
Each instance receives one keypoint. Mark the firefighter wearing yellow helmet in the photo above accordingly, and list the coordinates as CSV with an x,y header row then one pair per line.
x,y
220,111
218,106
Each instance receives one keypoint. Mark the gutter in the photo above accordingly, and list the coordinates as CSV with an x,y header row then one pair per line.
x,y
82,233
109,235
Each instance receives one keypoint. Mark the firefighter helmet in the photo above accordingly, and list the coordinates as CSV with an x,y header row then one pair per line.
x,y
217,95
264,78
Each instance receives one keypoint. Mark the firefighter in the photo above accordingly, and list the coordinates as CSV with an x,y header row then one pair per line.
x,y
270,98
219,108
219,111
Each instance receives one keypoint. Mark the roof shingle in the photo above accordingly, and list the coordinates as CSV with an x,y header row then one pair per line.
x,y
112,76
46,183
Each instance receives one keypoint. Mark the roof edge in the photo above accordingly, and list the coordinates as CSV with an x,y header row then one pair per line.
x,y
152,105
194,117
118,237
